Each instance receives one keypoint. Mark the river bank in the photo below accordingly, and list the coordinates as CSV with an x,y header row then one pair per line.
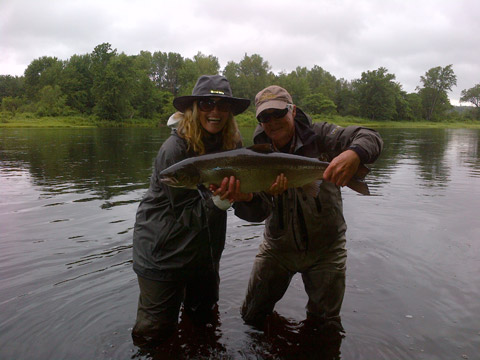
x,y
27,120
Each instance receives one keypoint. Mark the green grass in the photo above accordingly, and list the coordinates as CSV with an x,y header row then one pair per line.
x,y
244,120
31,121
23,120
352,120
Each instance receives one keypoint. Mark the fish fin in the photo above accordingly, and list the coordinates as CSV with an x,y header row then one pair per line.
x,y
262,148
205,194
323,157
312,189
359,186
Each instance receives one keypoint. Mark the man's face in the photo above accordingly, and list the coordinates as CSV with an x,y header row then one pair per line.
x,y
280,130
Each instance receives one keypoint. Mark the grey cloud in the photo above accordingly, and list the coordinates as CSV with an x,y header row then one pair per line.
x,y
343,37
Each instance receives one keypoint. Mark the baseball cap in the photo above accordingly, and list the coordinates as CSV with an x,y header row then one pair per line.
x,y
272,97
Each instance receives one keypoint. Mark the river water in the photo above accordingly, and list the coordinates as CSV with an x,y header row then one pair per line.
x,y
68,199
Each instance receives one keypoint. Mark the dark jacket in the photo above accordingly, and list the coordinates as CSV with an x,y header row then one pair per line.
x,y
176,231
296,222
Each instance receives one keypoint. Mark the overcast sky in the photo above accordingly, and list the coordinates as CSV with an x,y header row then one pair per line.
x,y
344,37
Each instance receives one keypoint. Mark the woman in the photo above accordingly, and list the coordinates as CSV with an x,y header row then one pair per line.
x,y
179,237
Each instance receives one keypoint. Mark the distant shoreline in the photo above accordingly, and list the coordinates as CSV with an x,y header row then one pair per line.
x,y
244,120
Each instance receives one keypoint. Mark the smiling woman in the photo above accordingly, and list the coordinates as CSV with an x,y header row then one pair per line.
x,y
179,236
213,114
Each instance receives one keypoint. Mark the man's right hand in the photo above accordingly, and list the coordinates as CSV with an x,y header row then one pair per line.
x,y
279,186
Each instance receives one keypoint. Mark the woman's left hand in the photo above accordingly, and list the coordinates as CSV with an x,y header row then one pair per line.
x,y
230,189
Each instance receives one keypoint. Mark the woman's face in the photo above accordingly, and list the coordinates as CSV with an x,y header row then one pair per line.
x,y
213,113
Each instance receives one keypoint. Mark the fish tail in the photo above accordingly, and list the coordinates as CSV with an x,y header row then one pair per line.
x,y
359,186
362,171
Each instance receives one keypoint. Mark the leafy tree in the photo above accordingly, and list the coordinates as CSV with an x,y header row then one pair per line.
x,y
231,72
40,73
144,62
116,86
415,110
345,98
471,95
402,110
144,93
249,76
146,99
77,82
319,104
434,104
408,106
377,92
174,64
321,81
11,86
206,64
188,75
112,85
51,102
101,56
436,82
296,83
11,104
158,65
166,71
192,69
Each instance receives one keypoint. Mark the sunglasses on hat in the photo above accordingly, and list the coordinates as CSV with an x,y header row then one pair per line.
x,y
264,117
207,105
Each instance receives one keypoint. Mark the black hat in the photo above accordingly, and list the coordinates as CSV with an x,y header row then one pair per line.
x,y
211,86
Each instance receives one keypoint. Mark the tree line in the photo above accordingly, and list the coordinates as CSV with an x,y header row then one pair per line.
x,y
114,86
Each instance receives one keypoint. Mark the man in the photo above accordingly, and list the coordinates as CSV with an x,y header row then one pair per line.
x,y
302,234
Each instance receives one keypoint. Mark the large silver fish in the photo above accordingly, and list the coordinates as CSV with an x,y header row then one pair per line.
x,y
256,167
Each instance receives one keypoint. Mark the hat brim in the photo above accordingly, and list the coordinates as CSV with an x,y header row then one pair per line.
x,y
271,104
182,103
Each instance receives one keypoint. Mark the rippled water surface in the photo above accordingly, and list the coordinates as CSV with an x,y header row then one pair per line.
x,y
67,291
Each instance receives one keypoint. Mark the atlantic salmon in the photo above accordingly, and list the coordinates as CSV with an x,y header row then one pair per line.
x,y
256,167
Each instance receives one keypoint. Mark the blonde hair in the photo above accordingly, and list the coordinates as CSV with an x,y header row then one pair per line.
x,y
192,131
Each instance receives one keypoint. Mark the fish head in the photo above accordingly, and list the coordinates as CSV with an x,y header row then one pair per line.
x,y
181,176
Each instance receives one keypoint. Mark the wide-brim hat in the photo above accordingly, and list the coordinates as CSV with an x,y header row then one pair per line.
x,y
211,86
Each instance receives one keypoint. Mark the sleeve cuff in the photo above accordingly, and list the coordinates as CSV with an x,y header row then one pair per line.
x,y
221,204
362,154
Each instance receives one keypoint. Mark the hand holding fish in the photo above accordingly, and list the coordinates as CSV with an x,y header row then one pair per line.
x,y
230,189
342,168
279,186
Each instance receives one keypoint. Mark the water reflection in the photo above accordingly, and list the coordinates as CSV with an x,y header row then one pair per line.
x,y
288,339
192,341
107,161
115,161
282,339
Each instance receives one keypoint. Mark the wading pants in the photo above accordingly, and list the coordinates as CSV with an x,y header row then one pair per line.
x,y
159,304
324,284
